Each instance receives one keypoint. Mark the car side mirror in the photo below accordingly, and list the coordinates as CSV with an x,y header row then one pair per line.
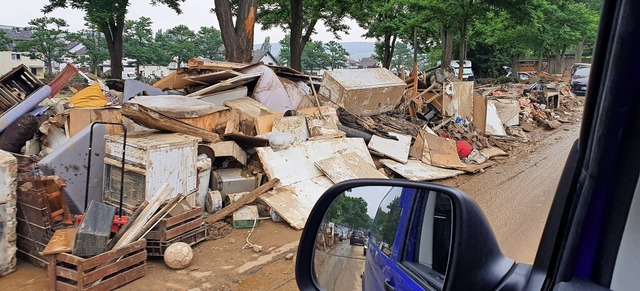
x,y
418,236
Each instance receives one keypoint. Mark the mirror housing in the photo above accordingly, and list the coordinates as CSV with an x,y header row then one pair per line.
x,y
476,262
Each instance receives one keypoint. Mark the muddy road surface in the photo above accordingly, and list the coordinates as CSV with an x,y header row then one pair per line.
x,y
340,267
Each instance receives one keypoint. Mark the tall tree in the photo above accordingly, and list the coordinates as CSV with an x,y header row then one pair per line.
x,y
209,43
266,44
181,44
384,20
109,18
47,41
4,41
314,56
299,18
139,44
337,54
237,37
403,57
284,56
96,47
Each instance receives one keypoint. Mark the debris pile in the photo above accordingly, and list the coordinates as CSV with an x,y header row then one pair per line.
x,y
216,146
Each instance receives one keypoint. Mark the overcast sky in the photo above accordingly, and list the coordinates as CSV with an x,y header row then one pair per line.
x,y
196,13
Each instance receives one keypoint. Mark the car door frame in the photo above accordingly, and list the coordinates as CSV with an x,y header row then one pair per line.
x,y
599,178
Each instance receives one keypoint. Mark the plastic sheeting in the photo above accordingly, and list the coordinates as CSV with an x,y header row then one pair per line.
x,y
271,92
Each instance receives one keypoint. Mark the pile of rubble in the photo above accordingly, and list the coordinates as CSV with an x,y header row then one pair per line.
x,y
168,163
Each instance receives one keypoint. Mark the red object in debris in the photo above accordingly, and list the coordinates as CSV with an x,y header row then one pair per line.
x,y
62,79
464,148
118,222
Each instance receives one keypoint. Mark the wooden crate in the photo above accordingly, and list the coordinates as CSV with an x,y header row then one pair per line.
x,y
106,271
156,248
171,227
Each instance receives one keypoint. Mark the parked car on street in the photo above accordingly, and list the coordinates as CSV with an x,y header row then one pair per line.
x,y
579,81
357,238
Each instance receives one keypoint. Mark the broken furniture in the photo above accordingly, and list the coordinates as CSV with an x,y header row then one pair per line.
x,y
186,226
151,160
106,271
38,216
363,92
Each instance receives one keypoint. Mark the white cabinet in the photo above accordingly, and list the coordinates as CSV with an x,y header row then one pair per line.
x,y
151,159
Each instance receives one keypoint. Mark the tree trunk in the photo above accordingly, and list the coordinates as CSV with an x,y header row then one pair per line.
x,y
562,54
579,51
514,68
447,48
540,61
113,34
462,50
296,34
238,37
388,48
49,67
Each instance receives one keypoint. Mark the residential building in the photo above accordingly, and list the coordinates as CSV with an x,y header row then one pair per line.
x,y
263,56
10,59
369,63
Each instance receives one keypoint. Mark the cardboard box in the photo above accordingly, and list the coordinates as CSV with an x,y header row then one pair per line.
x,y
80,118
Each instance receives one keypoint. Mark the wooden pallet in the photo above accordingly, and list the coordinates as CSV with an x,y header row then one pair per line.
x,y
156,248
106,271
171,227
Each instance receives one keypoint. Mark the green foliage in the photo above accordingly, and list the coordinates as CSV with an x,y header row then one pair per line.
x,y
4,41
337,55
47,41
180,42
386,222
95,44
316,54
301,24
209,43
350,212
109,17
139,44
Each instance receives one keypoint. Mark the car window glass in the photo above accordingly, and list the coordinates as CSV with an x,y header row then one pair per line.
x,y
385,223
428,243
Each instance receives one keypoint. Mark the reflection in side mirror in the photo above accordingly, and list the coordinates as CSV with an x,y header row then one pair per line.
x,y
384,237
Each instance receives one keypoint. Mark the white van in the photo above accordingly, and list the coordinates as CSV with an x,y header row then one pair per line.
x,y
467,72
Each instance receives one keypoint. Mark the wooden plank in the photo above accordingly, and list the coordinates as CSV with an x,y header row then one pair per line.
x,y
121,279
246,140
62,241
51,272
127,225
107,270
346,166
415,170
175,80
206,64
159,215
227,84
172,221
222,213
442,152
65,273
458,99
249,110
153,119
62,286
154,204
69,259
114,254
209,122
176,231
213,76
394,149
479,113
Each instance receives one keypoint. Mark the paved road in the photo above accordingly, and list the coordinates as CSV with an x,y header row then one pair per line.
x,y
340,268
516,196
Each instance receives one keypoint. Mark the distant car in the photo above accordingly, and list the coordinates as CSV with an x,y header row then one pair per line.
x,y
579,81
357,237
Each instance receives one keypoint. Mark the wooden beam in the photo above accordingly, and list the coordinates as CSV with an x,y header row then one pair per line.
x,y
152,119
222,213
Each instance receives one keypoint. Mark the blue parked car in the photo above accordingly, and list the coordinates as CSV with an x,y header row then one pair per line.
x,y
400,253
